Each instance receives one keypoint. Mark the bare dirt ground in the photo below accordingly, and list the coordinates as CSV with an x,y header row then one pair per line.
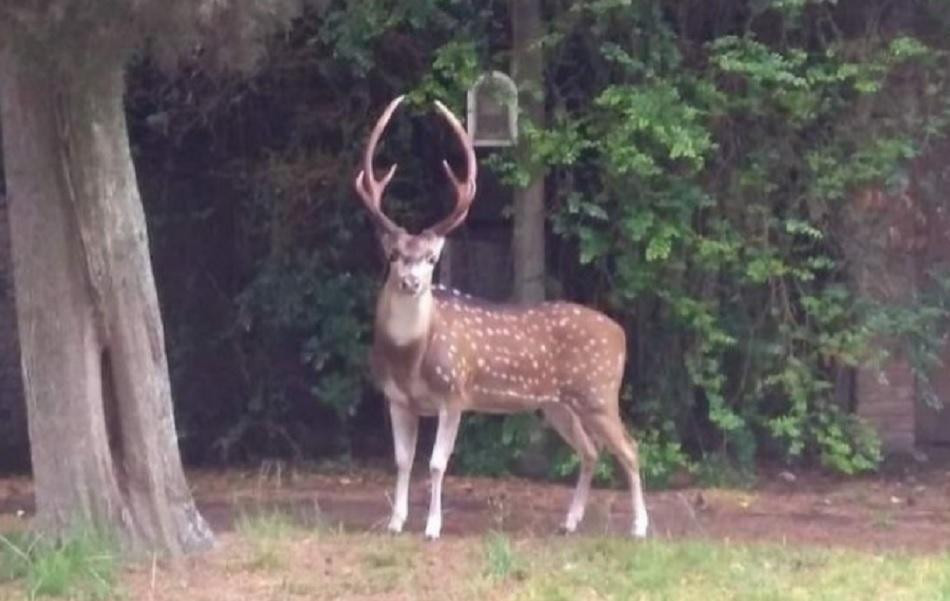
x,y
907,509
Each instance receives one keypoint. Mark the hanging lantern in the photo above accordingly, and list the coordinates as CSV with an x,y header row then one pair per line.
x,y
493,110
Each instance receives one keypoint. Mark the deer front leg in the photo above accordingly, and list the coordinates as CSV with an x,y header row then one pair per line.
x,y
405,432
444,443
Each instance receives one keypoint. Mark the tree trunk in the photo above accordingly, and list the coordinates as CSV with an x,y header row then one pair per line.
x,y
13,444
527,242
95,375
528,70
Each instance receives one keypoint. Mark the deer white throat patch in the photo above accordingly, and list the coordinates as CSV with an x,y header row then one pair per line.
x,y
408,317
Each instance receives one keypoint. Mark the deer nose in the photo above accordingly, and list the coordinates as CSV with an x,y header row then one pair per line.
x,y
411,284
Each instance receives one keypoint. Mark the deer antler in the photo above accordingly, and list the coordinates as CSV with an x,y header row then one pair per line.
x,y
367,186
464,189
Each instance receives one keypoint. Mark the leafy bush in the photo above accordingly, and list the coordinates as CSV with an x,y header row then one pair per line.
x,y
702,168
661,458
491,445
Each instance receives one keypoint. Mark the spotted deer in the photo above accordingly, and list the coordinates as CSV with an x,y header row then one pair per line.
x,y
440,353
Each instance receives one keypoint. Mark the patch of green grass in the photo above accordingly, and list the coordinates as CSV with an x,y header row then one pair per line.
x,y
266,532
14,556
266,525
501,560
81,566
621,570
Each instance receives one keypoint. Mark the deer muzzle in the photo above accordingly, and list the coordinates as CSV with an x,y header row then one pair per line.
x,y
410,284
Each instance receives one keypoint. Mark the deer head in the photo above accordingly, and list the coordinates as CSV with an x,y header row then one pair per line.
x,y
412,257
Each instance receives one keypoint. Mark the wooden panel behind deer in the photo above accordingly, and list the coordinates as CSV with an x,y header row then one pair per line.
x,y
438,352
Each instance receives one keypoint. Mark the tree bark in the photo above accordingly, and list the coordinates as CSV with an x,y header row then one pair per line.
x,y
527,242
13,443
101,426
528,71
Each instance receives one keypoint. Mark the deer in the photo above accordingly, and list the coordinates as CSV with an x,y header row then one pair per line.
x,y
438,352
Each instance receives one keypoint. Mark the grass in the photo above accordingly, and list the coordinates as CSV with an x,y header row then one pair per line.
x,y
84,565
501,560
497,567
616,569
288,563
266,525
267,533
383,568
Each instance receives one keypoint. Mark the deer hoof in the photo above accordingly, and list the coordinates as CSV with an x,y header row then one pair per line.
x,y
639,531
432,532
565,530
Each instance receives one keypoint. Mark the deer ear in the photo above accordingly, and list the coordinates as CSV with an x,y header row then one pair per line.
x,y
437,244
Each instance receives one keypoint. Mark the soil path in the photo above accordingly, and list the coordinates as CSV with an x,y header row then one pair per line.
x,y
906,511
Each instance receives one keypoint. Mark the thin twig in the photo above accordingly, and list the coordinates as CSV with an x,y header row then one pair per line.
x,y
691,512
14,548
151,588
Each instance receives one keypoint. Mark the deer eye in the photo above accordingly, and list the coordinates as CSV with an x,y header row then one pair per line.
x,y
393,257
431,259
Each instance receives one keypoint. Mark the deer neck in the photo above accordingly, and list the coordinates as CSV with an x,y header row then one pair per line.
x,y
402,319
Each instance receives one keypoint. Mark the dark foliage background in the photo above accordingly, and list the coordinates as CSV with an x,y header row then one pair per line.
x,y
702,161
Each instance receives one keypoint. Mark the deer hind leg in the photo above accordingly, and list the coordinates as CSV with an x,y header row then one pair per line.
x,y
449,419
609,429
405,432
569,426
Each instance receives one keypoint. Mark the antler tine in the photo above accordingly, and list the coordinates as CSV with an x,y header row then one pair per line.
x,y
367,186
464,189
